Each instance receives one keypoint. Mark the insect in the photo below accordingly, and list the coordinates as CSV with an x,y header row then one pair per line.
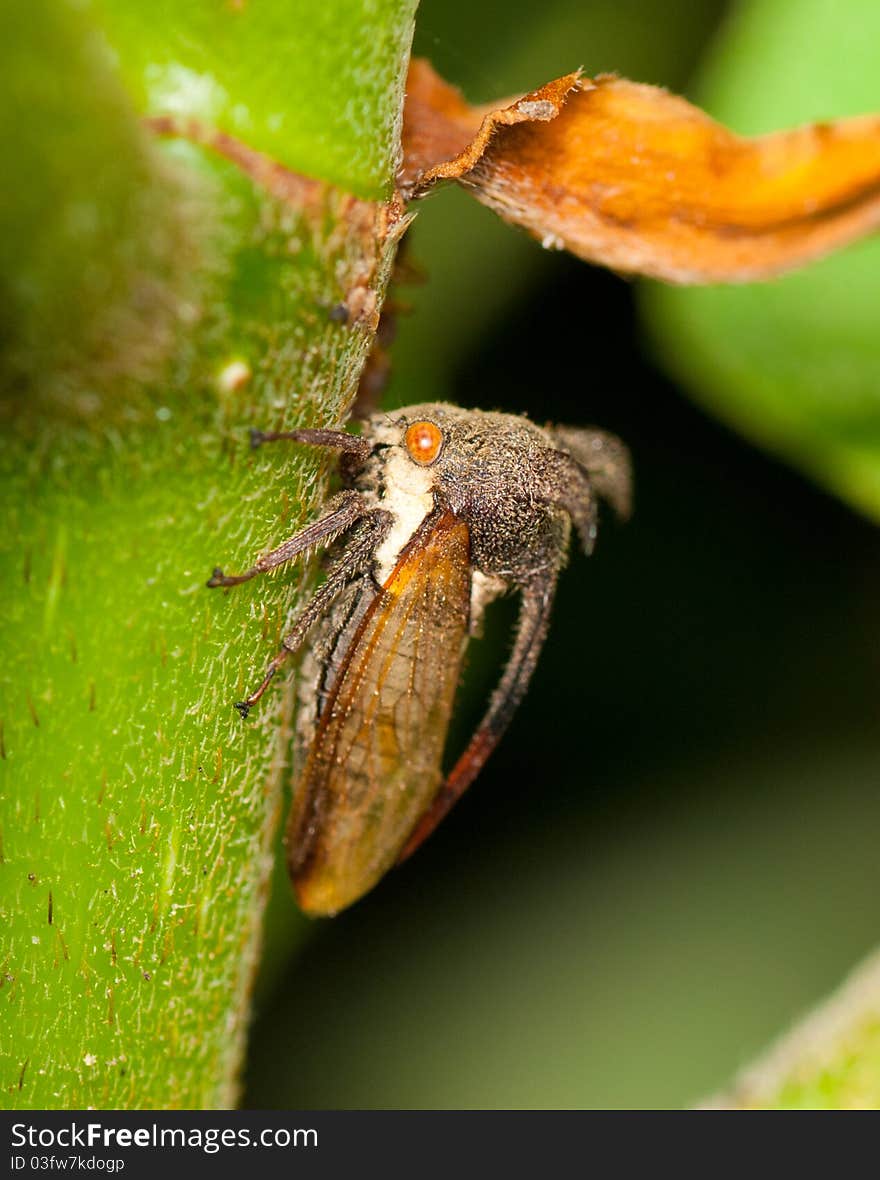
x,y
443,510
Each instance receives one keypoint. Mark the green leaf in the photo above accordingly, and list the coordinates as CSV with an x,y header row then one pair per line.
x,y
794,364
829,1061
183,302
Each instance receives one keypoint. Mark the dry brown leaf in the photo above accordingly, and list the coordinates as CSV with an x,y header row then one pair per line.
x,y
639,180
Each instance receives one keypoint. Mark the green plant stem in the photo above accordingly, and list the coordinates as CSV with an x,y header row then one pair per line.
x,y
138,812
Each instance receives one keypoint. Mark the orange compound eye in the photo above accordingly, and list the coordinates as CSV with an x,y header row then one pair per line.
x,y
423,441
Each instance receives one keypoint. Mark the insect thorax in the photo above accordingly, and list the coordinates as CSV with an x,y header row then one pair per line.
x,y
492,471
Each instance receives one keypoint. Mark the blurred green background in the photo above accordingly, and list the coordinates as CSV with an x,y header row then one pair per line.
x,y
673,853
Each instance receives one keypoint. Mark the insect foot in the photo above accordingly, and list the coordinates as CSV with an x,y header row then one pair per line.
x,y
442,511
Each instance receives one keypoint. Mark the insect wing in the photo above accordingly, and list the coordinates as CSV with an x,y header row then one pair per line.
x,y
375,763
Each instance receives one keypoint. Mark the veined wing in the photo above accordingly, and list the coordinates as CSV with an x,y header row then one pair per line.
x,y
375,762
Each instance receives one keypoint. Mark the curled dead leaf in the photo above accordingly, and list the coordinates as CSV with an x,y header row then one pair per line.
x,y
641,181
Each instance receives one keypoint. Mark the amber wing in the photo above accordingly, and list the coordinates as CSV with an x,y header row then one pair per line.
x,y
375,762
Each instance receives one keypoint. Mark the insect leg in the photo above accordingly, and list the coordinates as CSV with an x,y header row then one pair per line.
x,y
339,440
531,631
347,508
355,558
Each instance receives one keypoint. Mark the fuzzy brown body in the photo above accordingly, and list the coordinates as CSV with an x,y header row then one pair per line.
x,y
442,510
